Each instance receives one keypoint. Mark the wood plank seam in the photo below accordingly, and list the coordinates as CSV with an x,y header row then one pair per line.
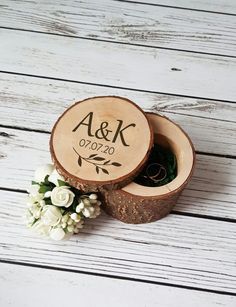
x,y
208,217
122,292
214,197
174,212
116,277
114,86
48,132
176,7
154,262
119,42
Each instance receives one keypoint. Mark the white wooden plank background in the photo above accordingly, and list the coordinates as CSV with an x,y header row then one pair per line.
x,y
32,111
185,251
211,191
121,65
122,48
126,22
29,95
16,282
218,6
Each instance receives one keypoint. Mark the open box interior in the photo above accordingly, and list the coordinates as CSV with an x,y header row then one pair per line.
x,y
168,135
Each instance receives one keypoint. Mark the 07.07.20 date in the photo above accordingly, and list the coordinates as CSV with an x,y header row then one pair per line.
x,y
97,146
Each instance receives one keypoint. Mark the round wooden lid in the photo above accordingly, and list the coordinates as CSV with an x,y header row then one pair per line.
x,y
101,142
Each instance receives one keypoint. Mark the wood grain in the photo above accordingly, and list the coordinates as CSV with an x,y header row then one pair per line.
x,y
37,95
31,99
20,285
83,60
179,250
119,155
210,192
126,22
217,6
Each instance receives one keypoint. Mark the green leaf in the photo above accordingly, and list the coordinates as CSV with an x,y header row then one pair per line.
x,y
48,201
46,180
34,182
77,192
74,204
44,188
62,183
174,163
35,220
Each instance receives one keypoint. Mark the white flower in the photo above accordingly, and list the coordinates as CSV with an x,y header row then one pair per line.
x,y
87,212
65,218
62,196
93,196
36,213
54,177
43,171
53,220
47,194
80,207
86,201
70,221
57,234
51,215
76,217
34,195
34,189
78,226
33,207
96,212
41,228
30,201
93,201
34,199
29,218
42,203
70,228
35,210
89,207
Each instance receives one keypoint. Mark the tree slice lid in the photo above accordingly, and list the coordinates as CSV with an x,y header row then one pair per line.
x,y
101,143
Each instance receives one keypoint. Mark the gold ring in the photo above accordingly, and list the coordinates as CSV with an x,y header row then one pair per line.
x,y
154,176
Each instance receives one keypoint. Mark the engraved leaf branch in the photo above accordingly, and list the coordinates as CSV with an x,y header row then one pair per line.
x,y
99,162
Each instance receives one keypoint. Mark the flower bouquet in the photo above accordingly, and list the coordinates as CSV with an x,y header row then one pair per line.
x,y
56,209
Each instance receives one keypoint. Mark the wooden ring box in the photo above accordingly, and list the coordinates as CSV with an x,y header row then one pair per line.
x,y
102,144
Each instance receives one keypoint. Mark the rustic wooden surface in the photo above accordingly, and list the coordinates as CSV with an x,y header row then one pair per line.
x,y
173,57
129,157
